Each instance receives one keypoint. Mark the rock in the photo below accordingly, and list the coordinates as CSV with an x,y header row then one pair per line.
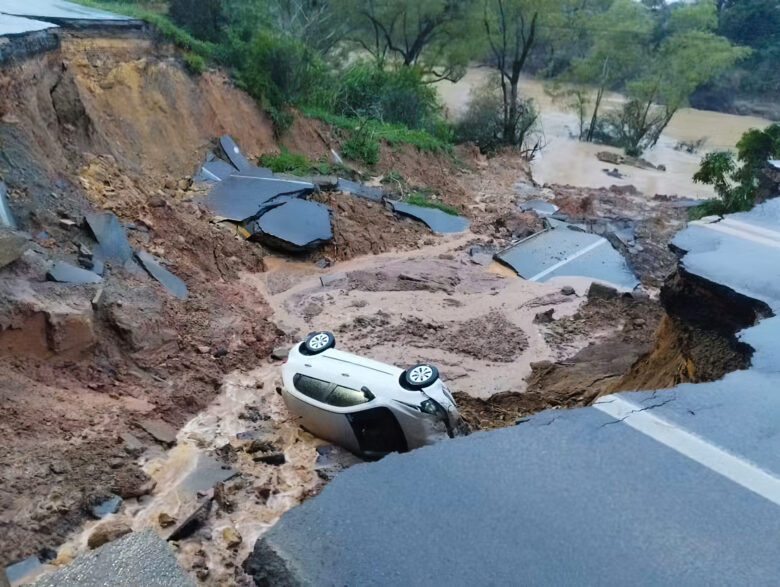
x,y
544,317
260,445
46,554
165,520
332,278
221,497
159,430
132,445
598,291
280,353
221,352
71,332
107,532
568,290
106,507
275,459
231,537
12,246
192,523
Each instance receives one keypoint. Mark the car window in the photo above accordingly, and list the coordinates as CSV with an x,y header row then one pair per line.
x,y
343,397
314,388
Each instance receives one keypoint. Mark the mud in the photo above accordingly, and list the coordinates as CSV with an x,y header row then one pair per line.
x,y
113,122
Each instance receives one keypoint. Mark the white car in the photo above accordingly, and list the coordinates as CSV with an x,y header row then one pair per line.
x,y
367,407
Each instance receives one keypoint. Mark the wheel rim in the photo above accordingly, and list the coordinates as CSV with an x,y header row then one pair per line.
x,y
420,374
319,341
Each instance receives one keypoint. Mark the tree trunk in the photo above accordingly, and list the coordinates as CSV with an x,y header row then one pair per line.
x,y
594,118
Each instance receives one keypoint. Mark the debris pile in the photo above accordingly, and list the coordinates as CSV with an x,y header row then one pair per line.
x,y
271,209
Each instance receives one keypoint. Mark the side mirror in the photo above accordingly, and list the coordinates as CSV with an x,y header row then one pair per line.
x,y
367,393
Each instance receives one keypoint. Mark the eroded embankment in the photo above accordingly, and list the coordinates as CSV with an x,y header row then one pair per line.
x,y
94,375
693,340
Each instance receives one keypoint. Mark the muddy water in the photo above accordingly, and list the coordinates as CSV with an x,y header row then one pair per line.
x,y
261,493
565,160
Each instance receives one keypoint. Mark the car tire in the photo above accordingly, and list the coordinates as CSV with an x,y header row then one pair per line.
x,y
420,375
318,342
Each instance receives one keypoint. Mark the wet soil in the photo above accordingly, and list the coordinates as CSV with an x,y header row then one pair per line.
x,y
97,379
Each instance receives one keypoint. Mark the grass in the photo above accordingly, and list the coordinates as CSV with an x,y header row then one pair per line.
x,y
298,164
155,15
419,199
393,134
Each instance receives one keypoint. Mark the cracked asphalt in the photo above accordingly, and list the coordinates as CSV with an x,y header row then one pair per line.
x,y
678,486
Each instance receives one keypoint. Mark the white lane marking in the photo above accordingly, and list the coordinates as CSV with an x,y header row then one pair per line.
x,y
303,183
213,176
569,259
714,458
720,227
746,227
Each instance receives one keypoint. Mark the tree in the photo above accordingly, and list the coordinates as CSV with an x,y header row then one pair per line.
x,y
203,18
513,29
737,186
685,54
617,50
433,35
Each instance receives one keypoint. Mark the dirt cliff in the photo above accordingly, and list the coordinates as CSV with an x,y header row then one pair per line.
x,y
112,122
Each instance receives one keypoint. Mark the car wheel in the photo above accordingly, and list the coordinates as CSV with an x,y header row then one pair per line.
x,y
421,375
317,342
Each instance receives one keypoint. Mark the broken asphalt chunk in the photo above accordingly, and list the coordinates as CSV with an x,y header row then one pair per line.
x,y
233,153
215,170
296,225
358,189
194,521
6,216
67,273
238,197
560,251
541,207
169,281
435,219
111,238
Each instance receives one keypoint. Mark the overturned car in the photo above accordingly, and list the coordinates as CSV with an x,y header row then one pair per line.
x,y
368,407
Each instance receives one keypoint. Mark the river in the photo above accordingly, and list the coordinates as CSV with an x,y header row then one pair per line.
x,y
565,160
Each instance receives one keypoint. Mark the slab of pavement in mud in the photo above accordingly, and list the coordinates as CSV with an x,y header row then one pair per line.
x,y
678,486
561,251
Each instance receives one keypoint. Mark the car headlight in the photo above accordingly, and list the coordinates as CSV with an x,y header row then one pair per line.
x,y
433,408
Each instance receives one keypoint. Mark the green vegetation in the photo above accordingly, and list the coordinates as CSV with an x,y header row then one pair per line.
x,y
194,63
736,181
419,199
298,164
657,57
368,67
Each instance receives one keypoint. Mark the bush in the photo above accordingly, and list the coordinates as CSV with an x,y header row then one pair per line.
x,y
396,96
736,186
203,18
298,164
281,71
361,145
483,123
419,199
194,63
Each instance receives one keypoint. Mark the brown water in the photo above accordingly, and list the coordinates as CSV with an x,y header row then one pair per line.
x,y
565,160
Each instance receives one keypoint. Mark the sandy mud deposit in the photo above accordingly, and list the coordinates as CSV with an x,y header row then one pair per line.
x,y
126,406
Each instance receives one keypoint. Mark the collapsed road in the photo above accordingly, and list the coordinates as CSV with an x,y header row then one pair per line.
x,y
142,334
679,486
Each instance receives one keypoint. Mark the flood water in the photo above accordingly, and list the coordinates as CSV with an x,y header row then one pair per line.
x,y
565,160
